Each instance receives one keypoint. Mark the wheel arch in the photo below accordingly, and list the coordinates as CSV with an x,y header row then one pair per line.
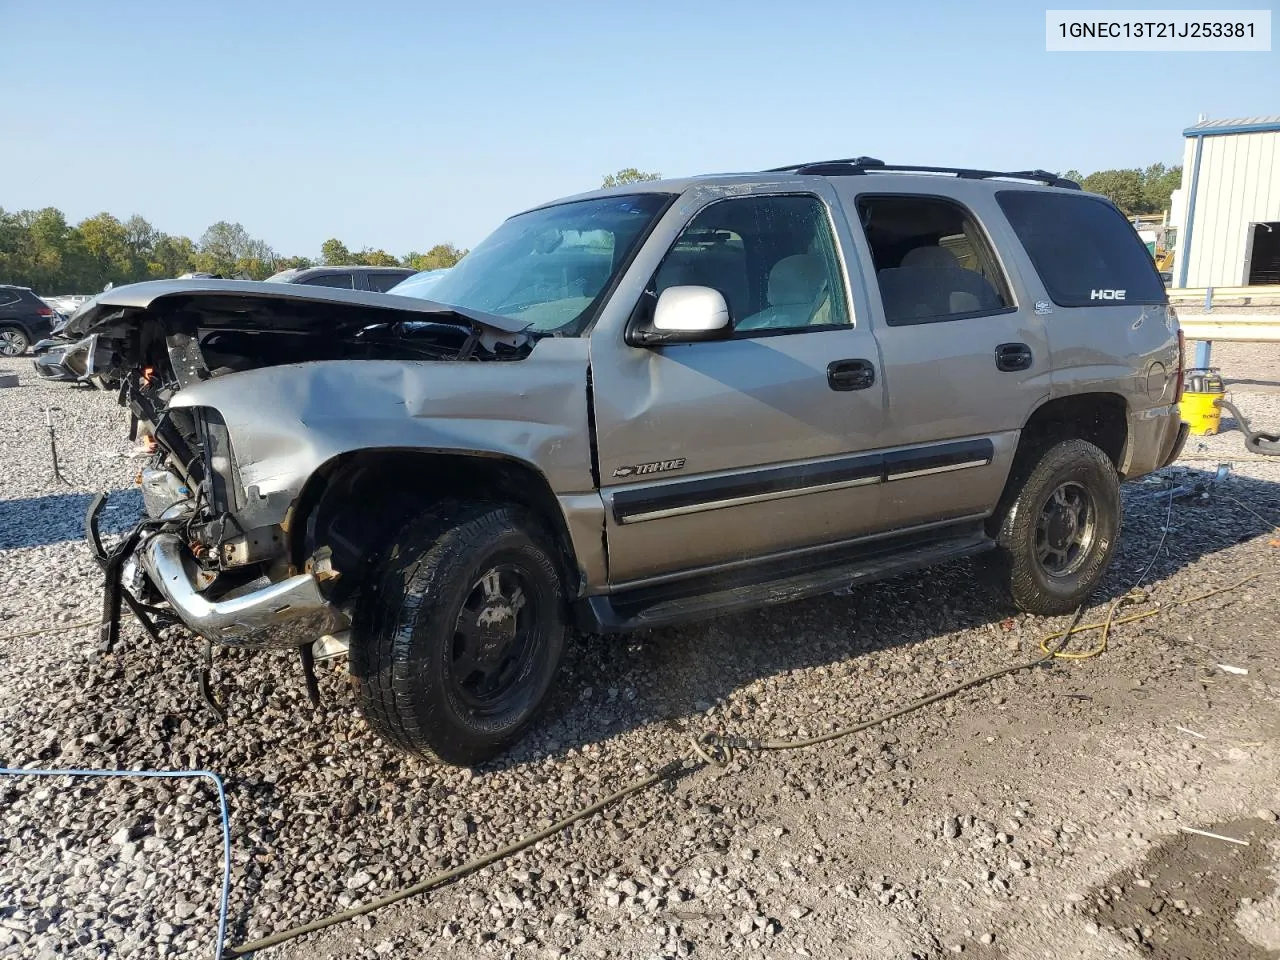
x,y
353,501
1100,417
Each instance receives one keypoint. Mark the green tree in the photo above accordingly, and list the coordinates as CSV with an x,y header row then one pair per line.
x,y
227,248
1158,184
1121,187
334,253
294,263
1134,191
171,257
374,258
628,175
439,256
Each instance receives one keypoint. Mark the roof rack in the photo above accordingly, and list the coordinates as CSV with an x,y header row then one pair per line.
x,y
857,166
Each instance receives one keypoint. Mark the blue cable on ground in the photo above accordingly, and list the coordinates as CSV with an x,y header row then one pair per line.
x,y
161,774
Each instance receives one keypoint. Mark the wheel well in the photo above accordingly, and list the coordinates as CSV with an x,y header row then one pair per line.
x,y
1100,418
353,503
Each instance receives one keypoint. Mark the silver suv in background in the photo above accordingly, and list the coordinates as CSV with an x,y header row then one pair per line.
x,y
641,406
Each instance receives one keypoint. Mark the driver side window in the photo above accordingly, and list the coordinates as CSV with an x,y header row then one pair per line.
x,y
772,258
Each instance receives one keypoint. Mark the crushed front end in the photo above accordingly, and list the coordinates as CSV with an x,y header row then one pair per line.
x,y
214,551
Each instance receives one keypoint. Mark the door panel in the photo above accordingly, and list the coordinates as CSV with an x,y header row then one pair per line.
x,y
966,357
726,450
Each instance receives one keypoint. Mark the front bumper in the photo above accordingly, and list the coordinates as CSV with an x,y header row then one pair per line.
x,y
48,359
287,613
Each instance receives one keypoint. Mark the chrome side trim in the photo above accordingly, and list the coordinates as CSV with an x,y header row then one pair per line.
x,y
741,501
932,470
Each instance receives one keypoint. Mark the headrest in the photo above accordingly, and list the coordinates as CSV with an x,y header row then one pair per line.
x,y
796,279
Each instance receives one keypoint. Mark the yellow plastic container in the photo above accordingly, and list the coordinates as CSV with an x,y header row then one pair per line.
x,y
1201,412
1202,389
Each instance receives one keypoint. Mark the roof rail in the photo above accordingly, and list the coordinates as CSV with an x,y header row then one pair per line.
x,y
861,165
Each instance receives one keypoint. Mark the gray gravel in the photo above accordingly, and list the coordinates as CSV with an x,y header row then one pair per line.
x,y
980,824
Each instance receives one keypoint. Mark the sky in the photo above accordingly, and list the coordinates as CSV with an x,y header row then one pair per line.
x,y
399,125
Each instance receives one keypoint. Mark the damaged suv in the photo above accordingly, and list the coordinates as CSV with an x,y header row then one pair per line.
x,y
638,407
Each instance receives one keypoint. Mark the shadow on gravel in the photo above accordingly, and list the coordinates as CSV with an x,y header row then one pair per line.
x,y
59,517
611,685
1197,900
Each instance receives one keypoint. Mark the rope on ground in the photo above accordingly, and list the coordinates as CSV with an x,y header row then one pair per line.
x,y
64,628
714,750
164,774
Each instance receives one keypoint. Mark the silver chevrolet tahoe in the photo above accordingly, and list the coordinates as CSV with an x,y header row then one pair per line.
x,y
638,407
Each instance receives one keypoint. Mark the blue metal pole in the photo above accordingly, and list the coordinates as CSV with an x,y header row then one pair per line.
x,y
1204,353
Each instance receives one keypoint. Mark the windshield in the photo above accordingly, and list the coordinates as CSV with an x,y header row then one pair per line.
x,y
549,268
284,276
419,284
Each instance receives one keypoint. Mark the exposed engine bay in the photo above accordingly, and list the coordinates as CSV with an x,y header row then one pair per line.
x,y
203,527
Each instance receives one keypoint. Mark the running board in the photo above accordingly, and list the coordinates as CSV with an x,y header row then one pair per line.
x,y
682,601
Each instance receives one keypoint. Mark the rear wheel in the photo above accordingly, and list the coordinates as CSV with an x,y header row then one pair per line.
x,y
13,342
459,634
1058,528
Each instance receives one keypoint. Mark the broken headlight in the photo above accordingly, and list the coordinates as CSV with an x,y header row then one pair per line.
x,y
221,479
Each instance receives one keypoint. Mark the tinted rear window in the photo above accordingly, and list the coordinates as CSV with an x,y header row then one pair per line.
x,y
1086,252
383,282
343,280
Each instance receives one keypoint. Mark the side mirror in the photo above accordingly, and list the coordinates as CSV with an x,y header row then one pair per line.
x,y
686,314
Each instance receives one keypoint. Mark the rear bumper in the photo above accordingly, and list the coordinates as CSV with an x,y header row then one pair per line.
x,y
1181,441
1156,437
287,613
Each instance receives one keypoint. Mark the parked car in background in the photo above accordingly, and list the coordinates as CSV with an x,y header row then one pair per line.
x,y
379,279
67,303
24,319
420,284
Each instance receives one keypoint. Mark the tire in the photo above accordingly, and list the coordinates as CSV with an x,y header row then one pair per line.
x,y
459,632
1058,527
13,341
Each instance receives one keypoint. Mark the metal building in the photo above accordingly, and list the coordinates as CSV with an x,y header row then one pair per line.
x,y
1229,217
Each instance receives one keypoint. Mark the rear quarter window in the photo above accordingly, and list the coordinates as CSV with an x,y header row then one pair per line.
x,y
343,280
1086,252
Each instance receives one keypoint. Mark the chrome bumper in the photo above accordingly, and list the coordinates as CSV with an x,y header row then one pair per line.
x,y
284,614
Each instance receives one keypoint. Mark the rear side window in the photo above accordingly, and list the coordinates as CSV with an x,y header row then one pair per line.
x,y
343,280
382,282
1086,252
932,259
7,297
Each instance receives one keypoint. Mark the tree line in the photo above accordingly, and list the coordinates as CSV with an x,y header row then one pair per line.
x,y
1135,191
41,250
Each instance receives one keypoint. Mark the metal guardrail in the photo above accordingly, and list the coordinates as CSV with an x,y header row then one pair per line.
x,y
1241,328
1234,321
1209,297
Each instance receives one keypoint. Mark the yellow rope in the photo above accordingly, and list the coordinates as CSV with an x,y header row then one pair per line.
x,y
1110,620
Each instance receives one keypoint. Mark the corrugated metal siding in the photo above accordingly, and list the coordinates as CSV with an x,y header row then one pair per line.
x,y
1239,184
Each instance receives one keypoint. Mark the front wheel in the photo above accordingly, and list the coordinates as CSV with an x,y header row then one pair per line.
x,y
458,636
1059,529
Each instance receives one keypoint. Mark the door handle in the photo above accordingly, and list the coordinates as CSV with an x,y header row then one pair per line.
x,y
1014,356
850,374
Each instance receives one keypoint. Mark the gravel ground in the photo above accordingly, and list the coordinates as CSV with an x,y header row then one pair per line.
x,y
1033,817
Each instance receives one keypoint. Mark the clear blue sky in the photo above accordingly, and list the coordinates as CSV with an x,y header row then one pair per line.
x,y
403,124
